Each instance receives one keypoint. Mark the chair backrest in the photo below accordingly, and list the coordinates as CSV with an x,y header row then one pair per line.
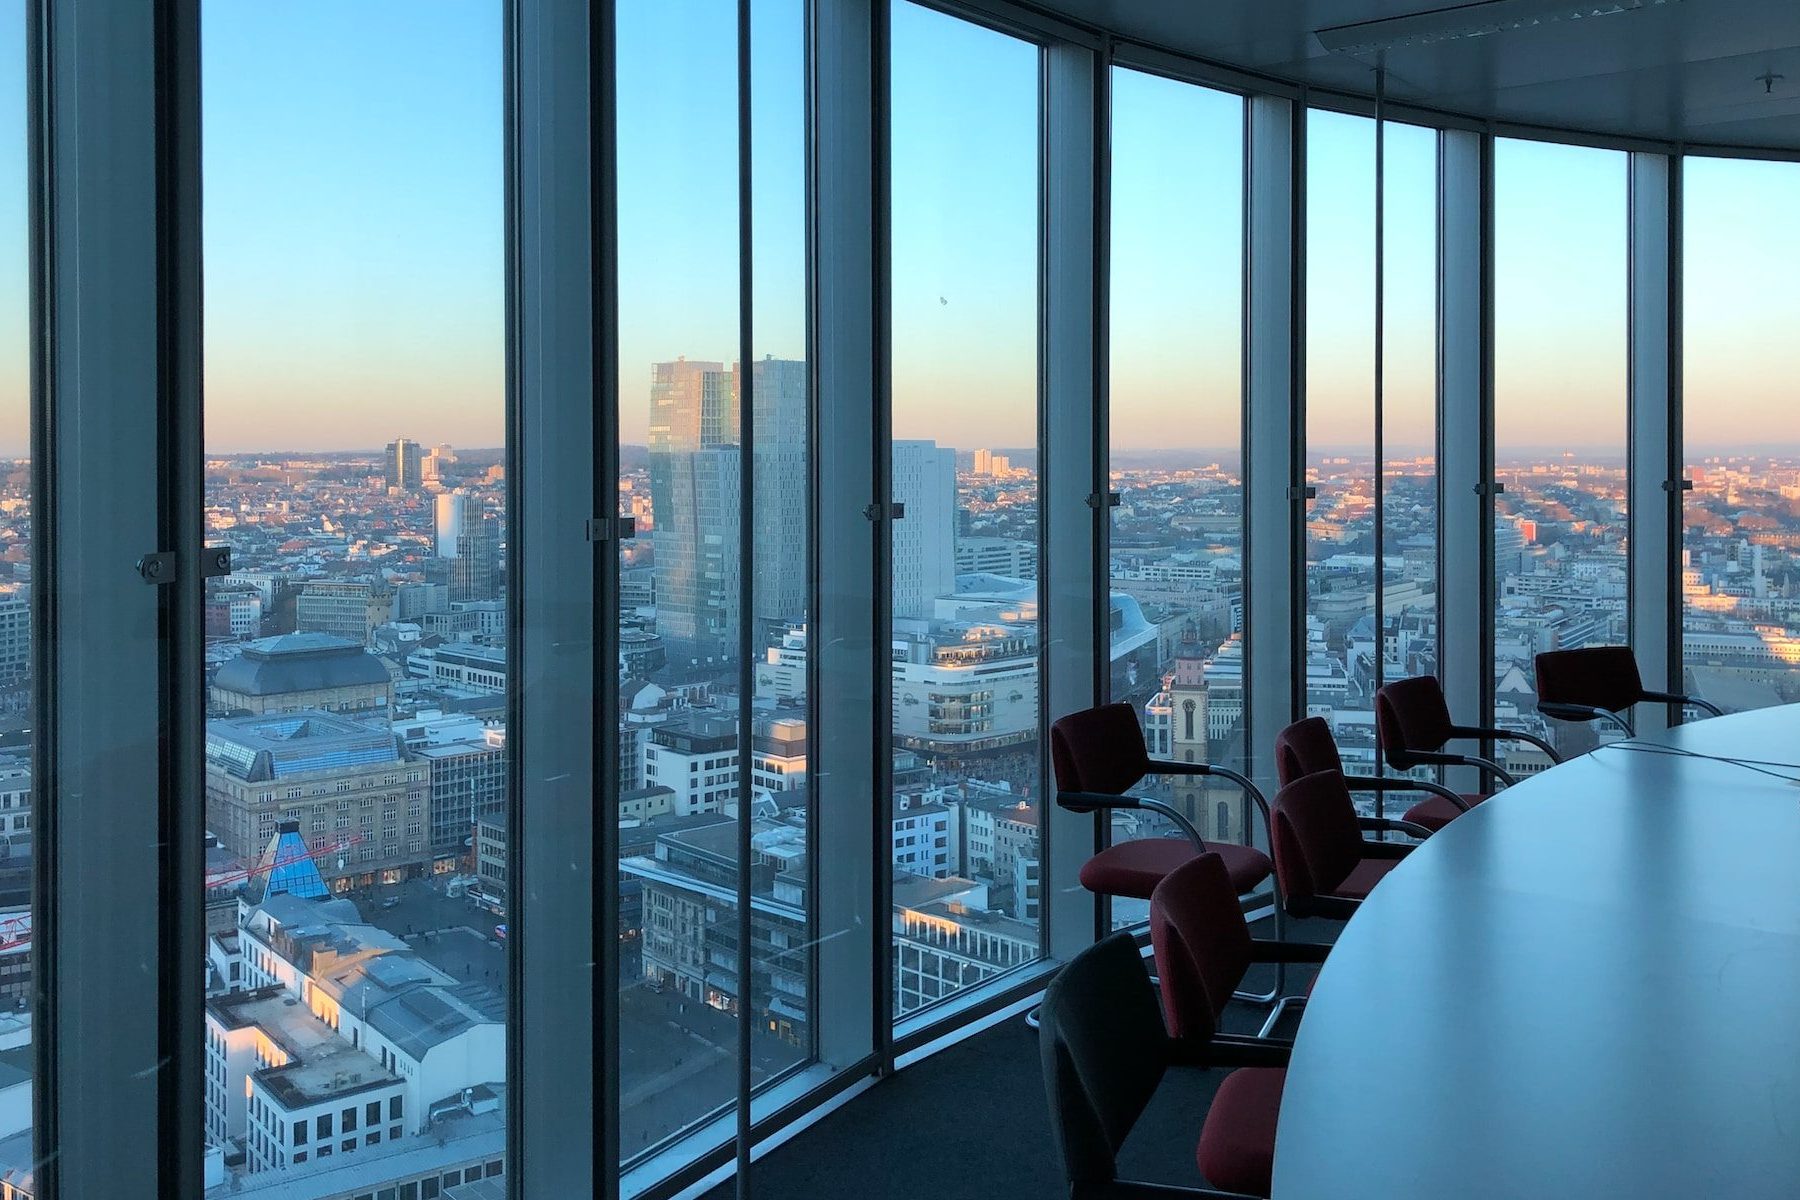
x,y
1104,1053
1305,748
1202,943
1597,676
1317,840
1099,750
1411,715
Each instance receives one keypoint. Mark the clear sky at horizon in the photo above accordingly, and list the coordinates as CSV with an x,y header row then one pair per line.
x,y
355,240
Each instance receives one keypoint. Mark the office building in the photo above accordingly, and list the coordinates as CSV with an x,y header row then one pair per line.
x,y
302,670
448,510
403,465
361,804
925,538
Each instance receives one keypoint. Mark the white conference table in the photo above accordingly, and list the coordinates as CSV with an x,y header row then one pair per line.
x,y
1588,986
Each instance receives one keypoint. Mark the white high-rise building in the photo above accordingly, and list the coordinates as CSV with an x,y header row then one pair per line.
x,y
447,521
925,538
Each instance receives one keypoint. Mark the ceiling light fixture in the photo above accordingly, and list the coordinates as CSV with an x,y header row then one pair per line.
x,y
1468,21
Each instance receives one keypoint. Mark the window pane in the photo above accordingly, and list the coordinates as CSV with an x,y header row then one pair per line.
x,y
782,992
1177,441
1740,576
1340,647
967,711
355,442
16,793
680,577
1560,273
1409,425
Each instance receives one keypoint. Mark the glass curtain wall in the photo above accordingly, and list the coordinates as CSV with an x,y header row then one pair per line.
x,y
1740,578
680,607
967,709
1176,442
356,654
1560,410
17,1151
1340,635
1371,529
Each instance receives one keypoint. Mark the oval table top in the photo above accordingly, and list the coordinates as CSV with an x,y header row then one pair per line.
x,y
1588,986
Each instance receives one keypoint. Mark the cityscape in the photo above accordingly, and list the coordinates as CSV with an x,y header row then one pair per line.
x,y
356,749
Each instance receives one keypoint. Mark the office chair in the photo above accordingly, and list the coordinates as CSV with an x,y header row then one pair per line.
x,y
1599,683
1098,756
1105,1052
1323,864
1413,725
1306,747
1203,951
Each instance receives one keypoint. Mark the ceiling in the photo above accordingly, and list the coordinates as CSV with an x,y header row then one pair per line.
x,y
1682,70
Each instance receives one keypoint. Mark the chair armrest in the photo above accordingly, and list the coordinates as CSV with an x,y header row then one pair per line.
x,y
1086,802
1691,701
1160,766
1485,766
1506,735
1268,950
1389,825
1232,1050
1403,783
1584,712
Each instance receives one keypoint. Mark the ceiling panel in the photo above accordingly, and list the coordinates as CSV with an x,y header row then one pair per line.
x,y
1681,71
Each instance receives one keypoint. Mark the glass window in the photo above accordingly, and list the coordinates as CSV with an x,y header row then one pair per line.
x,y
1176,408
355,441
1740,575
680,601
15,596
1371,530
1560,276
964,307
1340,651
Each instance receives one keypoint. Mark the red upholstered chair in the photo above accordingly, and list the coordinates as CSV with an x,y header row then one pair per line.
x,y
1306,747
1413,725
1324,865
1203,951
1105,1053
1599,683
1098,755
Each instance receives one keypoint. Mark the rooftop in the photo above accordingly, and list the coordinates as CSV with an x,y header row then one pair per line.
x,y
321,1065
261,748
299,662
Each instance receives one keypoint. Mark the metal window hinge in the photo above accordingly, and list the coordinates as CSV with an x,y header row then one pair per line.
x,y
1490,489
1308,492
1678,485
215,562
157,568
1104,499
878,510
611,529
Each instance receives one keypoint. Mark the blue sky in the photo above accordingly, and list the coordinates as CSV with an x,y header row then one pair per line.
x,y
354,240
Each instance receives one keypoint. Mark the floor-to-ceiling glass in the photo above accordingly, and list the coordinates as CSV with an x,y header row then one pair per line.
x,y
1740,574
1371,457
17,1151
1176,437
356,654
1560,406
680,591
1341,641
967,709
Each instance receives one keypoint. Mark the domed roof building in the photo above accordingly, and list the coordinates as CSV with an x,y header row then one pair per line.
x,y
302,670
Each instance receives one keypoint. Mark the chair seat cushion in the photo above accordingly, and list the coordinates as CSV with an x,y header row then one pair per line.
x,y
1237,1142
1134,868
1435,812
1364,876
